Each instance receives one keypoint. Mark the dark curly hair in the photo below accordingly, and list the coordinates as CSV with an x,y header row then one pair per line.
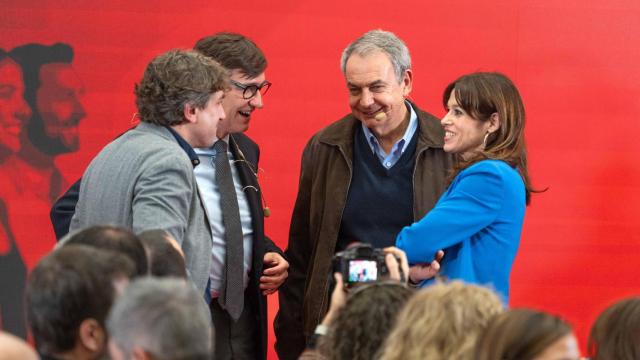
x,y
173,80
364,322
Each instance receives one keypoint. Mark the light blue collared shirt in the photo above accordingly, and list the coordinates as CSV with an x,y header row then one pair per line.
x,y
388,160
210,193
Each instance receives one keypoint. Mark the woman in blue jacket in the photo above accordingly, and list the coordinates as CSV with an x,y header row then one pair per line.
x,y
478,220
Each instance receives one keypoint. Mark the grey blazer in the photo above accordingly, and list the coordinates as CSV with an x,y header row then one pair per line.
x,y
144,180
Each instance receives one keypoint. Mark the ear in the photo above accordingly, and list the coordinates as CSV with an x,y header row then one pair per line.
x,y
407,82
92,335
190,113
494,123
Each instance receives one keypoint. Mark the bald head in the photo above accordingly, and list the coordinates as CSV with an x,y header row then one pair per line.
x,y
15,348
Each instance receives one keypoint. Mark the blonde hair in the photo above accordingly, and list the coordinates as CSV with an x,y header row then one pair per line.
x,y
441,322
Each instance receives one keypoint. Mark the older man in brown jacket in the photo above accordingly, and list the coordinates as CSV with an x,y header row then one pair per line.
x,y
363,178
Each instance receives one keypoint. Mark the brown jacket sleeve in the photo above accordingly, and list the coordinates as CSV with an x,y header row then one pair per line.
x,y
290,339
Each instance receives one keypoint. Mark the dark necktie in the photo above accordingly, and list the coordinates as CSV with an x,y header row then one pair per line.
x,y
232,292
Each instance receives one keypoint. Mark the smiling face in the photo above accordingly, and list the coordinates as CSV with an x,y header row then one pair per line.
x,y
376,97
464,135
14,111
58,102
237,109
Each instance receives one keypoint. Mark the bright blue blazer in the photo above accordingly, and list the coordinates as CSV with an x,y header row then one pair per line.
x,y
477,222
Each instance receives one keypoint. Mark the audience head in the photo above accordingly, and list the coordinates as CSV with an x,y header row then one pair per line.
x,y
54,92
164,254
616,332
246,64
14,111
12,347
523,334
364,322
160,319
441,321
177,83
69,294
116,239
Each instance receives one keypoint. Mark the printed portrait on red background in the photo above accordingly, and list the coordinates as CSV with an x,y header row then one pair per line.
x,y
41,110
14,112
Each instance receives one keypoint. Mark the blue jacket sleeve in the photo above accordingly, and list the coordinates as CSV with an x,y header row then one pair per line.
x,y
472,203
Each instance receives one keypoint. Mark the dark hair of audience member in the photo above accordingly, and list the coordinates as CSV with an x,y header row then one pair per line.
x,y
68,286
361,326
116,239
520,334
164,259
616,332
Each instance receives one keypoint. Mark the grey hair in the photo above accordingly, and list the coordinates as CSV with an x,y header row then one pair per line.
x,y
166,317
380,40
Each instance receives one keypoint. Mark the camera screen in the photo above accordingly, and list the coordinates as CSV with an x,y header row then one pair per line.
x,y
362,271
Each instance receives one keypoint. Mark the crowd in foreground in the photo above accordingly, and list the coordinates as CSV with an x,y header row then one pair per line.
x,y
107,292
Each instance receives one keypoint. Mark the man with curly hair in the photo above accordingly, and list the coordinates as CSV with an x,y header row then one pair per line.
x,y
144,179
263,267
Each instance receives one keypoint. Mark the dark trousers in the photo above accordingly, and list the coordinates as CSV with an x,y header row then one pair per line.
x,y
238,340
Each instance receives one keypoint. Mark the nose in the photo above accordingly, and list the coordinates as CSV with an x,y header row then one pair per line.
x,y
78,109
256,100
445,120
23,112
366,98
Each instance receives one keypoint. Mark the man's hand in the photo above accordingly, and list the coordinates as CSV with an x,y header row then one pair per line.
x,y
338,299
394,267
420,272
274,273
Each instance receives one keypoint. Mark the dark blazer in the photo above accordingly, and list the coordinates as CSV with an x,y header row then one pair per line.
x,y
243,148
246,153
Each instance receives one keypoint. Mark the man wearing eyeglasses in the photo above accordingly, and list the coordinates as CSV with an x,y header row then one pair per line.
x,y
242,335
239,334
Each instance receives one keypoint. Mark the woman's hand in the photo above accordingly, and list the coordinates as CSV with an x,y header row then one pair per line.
x,y
420,272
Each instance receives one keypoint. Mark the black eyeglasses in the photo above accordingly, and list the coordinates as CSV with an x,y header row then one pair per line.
x,y
249,91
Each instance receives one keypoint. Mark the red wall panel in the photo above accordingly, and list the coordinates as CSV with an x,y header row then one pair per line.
x,y
575,62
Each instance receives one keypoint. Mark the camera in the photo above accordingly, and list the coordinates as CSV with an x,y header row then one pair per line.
x,y
360,263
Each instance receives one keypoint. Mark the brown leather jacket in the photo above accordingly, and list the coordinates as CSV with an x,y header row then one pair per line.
x,y
322,192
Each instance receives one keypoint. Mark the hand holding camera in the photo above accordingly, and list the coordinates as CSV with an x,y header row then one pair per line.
x,y
360,264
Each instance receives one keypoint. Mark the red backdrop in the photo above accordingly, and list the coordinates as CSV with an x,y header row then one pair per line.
x,y
575,62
